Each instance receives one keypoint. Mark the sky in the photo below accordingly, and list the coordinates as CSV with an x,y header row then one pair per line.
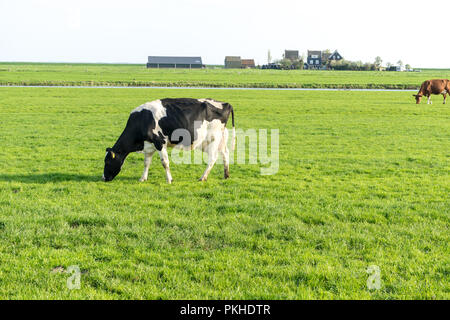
x,y
128,31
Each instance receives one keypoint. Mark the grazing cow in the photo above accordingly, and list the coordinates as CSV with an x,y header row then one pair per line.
x,y
435,86
184,123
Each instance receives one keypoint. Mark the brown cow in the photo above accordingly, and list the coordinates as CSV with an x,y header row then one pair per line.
x,y
435,86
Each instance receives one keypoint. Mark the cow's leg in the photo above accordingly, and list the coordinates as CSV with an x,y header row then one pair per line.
x,y
429,100
213,151
445,97
147,163
165,163
223,149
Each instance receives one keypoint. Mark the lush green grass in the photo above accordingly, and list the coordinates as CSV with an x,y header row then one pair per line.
x,y
139,75
363,180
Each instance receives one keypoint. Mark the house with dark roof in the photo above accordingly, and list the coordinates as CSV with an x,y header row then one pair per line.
x,y
314,60
233,62
174,62
335,56
319,59
291,55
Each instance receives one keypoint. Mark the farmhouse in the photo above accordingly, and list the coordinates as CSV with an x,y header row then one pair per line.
x,y
247,63
318,59
174,62
314,60
233,62
335,56
291,55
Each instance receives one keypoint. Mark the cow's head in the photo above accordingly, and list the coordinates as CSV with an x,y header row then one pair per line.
x,y
418,97
113,164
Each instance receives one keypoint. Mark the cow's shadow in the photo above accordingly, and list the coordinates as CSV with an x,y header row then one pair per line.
x,y
49,177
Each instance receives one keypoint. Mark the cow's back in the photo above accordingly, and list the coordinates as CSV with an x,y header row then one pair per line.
x,y
186,113
438,85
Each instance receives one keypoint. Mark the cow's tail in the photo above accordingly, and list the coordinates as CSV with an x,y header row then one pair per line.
x,y
233,133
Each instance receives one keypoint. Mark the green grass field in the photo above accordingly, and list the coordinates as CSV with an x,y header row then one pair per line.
x,y
364,179
139,75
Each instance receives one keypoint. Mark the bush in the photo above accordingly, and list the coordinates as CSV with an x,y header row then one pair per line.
x,y
352,65
287,64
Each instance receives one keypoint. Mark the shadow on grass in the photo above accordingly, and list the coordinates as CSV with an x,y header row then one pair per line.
x,y
49,177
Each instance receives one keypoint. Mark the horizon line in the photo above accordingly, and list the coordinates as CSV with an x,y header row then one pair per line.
x,y
145,63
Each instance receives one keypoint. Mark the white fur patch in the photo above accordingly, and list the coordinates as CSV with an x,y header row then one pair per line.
x,y
158,111
208,133
205,133
201,134
215,103
148,147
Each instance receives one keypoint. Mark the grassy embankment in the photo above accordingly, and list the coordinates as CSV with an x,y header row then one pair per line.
x,y
138,75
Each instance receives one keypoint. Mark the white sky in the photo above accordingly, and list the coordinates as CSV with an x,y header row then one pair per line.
x,y
417,32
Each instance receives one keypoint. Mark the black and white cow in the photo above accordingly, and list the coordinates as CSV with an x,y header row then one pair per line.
x,y
156,125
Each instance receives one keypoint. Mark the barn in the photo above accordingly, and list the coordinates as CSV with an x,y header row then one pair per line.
x,y
291,55
174,62
233,62
248,63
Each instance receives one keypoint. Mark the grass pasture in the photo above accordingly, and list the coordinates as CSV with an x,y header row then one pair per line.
x,y
364,179
138,75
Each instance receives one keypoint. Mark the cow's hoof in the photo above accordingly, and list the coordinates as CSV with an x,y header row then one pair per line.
x,y
142,179
202,179
226,176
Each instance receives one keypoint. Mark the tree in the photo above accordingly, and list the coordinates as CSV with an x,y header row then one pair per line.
x,y
378,62
297,64
286,63
408,67
269,57
400,63
388,65
326,54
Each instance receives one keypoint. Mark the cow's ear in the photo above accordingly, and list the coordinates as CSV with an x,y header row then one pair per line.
x,y
110,150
